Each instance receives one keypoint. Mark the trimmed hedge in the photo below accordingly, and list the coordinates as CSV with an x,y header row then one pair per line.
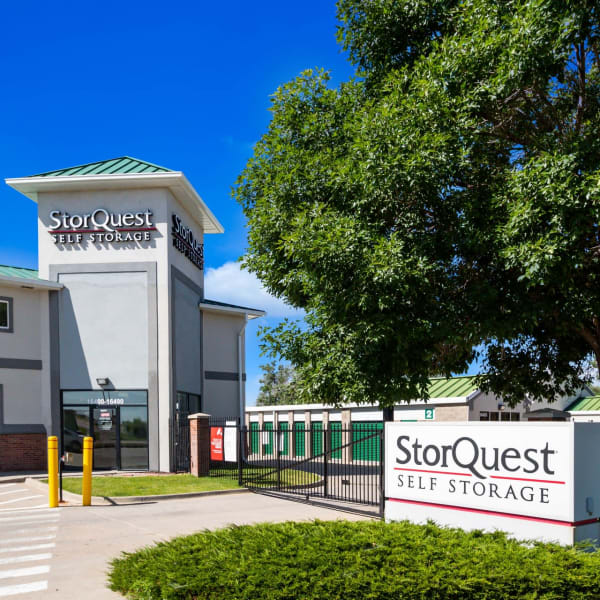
x,y
354,561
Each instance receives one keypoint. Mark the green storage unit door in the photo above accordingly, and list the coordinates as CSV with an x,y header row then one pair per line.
x,y
268,448
368,449
336,440
316,428
254,438
286,439
299,438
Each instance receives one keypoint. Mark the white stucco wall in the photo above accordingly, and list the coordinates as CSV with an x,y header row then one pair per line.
x,y
26,392
103,330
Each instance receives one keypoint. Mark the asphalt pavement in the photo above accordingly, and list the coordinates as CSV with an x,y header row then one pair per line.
x,y
65,552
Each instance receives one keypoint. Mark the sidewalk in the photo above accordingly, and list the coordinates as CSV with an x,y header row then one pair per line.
x,y
89,537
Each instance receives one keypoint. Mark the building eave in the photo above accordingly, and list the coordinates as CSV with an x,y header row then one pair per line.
x,y
251,313
36,284
414,404
175,181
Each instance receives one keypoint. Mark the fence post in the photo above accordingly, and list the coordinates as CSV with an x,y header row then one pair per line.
x,y
277,435
325,469
240,454
346,436
382,472
199,444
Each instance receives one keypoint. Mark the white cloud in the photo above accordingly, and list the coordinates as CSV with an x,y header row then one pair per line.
x,y
230,283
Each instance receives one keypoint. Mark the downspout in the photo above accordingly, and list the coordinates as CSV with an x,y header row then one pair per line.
x,y
240,374
241,383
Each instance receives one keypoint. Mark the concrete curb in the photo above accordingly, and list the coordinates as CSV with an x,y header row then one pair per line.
x,y
70,497
21,478
142,499
119,500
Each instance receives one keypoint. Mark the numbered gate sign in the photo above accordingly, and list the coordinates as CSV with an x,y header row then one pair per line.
x,y
429,414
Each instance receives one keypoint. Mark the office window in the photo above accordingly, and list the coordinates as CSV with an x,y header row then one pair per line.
x,y
6,316
494,415
188,403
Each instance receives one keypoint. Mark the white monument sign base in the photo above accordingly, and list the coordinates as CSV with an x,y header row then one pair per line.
x,y
533,480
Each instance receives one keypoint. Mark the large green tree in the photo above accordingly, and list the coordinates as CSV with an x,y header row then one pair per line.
x,y
441,206
277,385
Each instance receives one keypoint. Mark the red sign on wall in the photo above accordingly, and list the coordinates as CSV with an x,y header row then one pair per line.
x,y
216,443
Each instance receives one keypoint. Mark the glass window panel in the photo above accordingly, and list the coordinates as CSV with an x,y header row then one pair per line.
x,y
4,314
515,416
128,397
193,403
76,426
505,416
134,437
484,416
105,438
181,401
494,416
105,398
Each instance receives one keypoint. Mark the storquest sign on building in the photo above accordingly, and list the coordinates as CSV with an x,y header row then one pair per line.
x,y
532,480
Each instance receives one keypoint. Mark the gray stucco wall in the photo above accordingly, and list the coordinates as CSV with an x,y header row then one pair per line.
x,y
103,329
24,339
221,341
220,351
187,334
221,398
24,360
22,395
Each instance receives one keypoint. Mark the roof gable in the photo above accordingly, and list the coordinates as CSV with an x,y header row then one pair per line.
x,y
8,271
123,165
586,403
453,387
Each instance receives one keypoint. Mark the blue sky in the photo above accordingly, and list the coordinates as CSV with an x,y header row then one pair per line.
x,y
181,84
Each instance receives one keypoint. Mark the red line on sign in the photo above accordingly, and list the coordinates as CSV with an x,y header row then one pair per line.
x,y
496,513
137,229
441,472
524,479
78,231
102,230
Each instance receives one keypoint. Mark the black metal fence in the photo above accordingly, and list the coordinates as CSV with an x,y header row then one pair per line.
x,y
332,463
180,443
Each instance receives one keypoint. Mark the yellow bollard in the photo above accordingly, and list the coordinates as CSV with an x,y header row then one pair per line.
x,y
52,471
86,484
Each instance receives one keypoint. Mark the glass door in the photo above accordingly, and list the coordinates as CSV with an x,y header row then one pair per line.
x,y
134,437
105,438
76,426
117,420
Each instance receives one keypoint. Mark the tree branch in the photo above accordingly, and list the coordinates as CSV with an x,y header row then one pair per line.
x,y
580,54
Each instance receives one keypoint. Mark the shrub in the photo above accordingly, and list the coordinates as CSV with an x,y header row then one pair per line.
x,y
354,561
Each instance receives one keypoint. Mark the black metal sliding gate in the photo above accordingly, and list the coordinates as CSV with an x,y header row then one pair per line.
x,y
333,465
180,443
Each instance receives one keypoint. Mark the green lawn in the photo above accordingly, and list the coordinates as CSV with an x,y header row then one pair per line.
x,y
150,485
153,485
341,560
267,477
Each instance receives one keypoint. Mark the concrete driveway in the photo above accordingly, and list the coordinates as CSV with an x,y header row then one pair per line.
x,y
89,537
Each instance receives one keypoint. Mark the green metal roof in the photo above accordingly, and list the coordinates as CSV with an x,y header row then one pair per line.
x,y
124,165
454,387
7,271
587,403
